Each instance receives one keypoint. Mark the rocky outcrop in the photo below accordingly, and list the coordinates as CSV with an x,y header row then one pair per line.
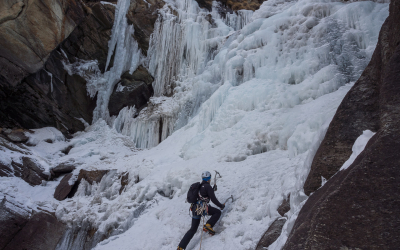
x,y
285,206
275,229
31,29
16,135
271,234
32,171
62,168
142,15
232,5
29,170
358,207
56,96
132,90
22,229
65,189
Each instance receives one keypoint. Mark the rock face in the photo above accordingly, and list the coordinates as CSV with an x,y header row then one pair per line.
x,y
22,229
31,29
359,111
55,96
358,207
42,231
132,90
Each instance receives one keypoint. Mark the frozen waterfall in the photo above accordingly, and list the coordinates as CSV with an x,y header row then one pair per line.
x,y
304,49
249,94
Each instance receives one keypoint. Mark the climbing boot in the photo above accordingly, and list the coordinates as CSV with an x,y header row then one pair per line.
x,y
180,248
207,228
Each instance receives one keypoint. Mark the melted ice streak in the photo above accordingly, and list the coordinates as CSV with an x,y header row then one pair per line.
x,y
255,107
294,51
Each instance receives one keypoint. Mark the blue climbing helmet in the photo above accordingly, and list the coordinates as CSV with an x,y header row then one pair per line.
x,y
206,176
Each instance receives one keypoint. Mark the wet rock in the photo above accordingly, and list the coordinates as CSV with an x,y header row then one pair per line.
x,y
271,234
284,207
64,188
132,90
357,208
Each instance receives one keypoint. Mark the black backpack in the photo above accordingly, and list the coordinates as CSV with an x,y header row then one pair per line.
x,y
193,193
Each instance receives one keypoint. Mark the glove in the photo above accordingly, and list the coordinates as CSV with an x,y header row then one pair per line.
x,y
215,187
223,206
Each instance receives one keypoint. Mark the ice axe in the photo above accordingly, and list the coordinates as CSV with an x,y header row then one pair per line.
x,y
228,199
215,179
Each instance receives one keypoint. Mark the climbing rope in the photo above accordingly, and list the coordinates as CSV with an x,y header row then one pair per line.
x,y
201,238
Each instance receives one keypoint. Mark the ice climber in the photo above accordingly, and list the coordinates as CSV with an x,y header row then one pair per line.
x,y
202,208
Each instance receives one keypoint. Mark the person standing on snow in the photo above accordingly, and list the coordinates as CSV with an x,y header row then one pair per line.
x,y
206,194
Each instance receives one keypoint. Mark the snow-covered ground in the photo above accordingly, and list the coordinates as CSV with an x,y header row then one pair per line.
x,y
254,96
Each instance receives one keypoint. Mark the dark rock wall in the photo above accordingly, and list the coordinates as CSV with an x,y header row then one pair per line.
x,y
358,207
135,90
52,97
232,5
23,229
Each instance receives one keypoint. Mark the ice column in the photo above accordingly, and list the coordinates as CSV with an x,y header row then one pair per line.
x,y
127,56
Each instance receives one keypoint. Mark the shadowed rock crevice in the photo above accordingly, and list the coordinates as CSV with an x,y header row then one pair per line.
x,y
132,90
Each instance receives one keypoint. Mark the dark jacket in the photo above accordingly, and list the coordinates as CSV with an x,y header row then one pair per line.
x,y
207,191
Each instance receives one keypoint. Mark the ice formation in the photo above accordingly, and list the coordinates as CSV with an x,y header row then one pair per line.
x,y
304,49
250,95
